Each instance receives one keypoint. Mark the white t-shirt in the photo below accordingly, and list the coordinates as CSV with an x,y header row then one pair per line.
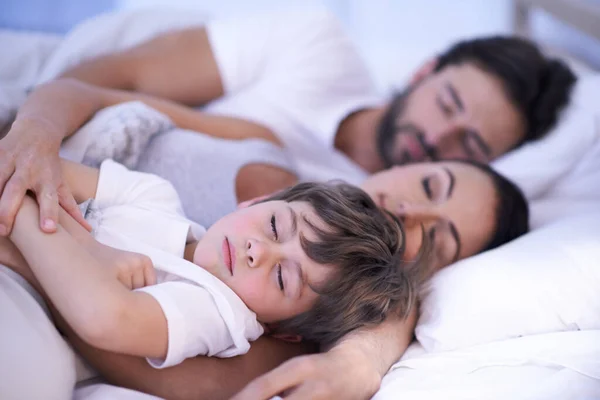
x,y
297,73
142,213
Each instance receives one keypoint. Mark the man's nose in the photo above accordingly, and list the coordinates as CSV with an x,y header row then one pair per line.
x,y
258,253
447,140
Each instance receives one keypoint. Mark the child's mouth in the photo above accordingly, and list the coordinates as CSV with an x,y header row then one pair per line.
x,y
228,255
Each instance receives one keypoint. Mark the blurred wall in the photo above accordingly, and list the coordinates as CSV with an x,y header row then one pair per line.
x,y
56,16
395,36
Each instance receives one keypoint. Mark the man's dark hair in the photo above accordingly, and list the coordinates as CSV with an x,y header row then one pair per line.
x,y
538,87
365,247
511,218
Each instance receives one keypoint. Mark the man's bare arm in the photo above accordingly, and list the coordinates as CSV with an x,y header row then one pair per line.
x,y
195,378
179,66
360,361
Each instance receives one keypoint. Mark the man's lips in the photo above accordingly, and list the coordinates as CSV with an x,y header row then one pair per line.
x,y
228,255
414,149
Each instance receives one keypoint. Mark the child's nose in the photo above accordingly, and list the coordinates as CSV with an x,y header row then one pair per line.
x,y
256,253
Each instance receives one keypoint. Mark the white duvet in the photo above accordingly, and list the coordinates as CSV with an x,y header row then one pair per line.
x,y
555,365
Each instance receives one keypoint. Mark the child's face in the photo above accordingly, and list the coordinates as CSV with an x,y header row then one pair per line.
x,y
256,251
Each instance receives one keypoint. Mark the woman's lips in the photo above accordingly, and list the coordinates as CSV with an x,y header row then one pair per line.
x,y
228,255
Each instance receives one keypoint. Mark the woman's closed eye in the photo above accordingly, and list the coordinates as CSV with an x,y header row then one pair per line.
x,y
445,244
426,183
432,186
437,244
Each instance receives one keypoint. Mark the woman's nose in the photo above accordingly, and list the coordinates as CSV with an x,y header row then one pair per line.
x,y
416,214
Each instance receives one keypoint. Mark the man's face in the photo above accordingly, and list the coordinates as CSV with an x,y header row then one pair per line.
x,y
460,112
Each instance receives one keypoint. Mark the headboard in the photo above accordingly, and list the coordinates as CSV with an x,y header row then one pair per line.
x,y
581,14
580,44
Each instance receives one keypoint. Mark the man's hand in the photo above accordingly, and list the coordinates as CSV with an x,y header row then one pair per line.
x,y
29,161
344,372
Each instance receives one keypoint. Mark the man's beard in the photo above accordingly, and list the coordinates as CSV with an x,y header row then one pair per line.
x,y
389,130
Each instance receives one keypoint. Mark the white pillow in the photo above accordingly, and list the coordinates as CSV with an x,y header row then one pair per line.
x,y
546,281
538,166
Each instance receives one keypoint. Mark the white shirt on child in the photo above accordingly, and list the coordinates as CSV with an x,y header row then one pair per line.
x,y
142,213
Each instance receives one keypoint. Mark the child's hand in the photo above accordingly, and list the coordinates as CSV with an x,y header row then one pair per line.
x,y
131,269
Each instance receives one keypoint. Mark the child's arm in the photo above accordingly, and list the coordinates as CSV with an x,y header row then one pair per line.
x,y
12,258
131,269
99,308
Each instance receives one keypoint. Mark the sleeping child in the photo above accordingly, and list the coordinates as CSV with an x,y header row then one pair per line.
x,y
312,262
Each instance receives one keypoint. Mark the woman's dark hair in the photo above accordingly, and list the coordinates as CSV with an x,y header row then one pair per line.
x,y
512,211
539,87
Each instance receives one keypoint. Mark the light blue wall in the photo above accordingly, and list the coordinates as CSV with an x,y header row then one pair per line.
x,y
49,15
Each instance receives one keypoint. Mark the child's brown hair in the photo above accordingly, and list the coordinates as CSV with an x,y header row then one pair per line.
x,y
366,246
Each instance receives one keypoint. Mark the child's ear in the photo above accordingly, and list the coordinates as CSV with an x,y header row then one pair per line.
x,y
288,337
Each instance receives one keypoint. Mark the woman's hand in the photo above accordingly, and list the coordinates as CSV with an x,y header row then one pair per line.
x,y
29,161
344,372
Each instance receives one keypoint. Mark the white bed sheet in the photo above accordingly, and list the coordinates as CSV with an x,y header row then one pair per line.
x,y
565,365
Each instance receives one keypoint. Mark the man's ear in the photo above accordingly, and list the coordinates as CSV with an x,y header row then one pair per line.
x,y
424,71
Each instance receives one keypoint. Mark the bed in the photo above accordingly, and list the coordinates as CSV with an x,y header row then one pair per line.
x,y
534,331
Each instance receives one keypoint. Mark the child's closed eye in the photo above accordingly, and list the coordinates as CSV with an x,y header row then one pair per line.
x,y
274,227
280,278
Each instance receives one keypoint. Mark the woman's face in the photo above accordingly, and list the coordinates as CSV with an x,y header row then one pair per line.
x,y
454,202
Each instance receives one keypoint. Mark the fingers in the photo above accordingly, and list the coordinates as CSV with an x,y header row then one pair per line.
x,y
10,202
12,196
68,203
313,391
149,274
48,202
137,279
124,277
7,168
142,272
285,377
